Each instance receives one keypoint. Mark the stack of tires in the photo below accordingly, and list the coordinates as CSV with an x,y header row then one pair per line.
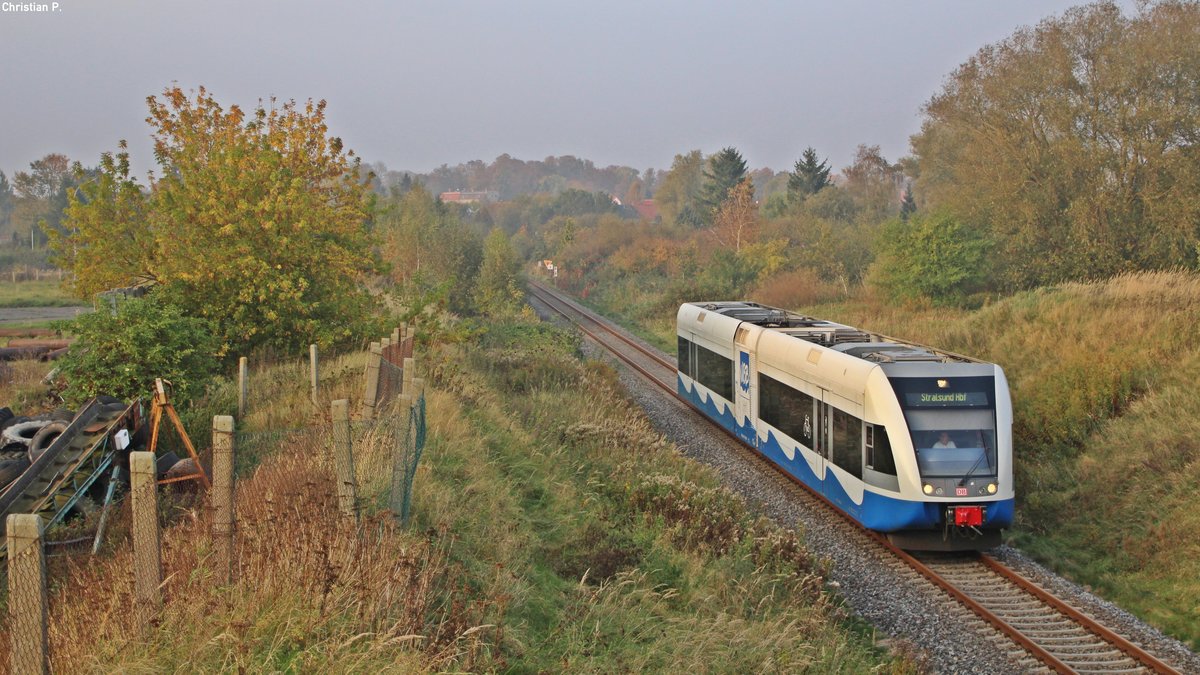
x,y
24,439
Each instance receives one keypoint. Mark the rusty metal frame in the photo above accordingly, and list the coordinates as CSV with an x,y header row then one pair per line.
x,y
162,406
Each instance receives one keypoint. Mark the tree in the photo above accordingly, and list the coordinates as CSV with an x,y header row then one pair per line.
x,y
908,205
257,223
1076,143
736,222
808,177
934,256
679,188
432,253
121,352
6,199
497,291
39,195
725,171
44,178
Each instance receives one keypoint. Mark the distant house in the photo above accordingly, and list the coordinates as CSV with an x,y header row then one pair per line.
x,y
647,210
465,197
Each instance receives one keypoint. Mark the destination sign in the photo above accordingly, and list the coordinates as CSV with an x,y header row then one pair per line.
x,y
945,399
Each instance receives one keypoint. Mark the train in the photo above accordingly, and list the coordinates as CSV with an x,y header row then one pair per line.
x,y
910,441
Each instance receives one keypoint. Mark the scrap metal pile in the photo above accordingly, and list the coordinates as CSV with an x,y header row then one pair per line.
x,y
66,462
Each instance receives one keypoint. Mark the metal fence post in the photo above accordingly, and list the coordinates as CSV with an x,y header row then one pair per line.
x,y
372,392
222,497
343,457
243,389
29,637
147,552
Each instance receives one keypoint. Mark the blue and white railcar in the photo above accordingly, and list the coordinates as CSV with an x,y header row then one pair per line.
x,y
907,440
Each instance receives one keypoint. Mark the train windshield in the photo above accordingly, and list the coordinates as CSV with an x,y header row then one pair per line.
x,y
952,423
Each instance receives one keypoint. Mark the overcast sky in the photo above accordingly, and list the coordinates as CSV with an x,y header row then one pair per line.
x,y
416,85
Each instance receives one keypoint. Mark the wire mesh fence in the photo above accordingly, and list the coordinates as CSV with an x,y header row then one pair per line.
x,y
294,500
27,602
391,382
408,449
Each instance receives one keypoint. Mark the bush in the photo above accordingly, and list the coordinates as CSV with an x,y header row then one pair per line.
x,y
120,353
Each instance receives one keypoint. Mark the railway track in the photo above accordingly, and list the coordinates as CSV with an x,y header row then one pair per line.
x,y
1044,630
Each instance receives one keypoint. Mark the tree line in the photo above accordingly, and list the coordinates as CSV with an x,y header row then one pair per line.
x,y
1067,151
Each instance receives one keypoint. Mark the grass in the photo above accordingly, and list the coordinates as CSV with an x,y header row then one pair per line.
x,y
553,530
30,293
1102,377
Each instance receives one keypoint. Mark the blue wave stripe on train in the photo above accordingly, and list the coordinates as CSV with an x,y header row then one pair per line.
x,y
877,512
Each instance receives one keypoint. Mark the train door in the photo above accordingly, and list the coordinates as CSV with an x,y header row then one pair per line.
x,y
743,388
823,437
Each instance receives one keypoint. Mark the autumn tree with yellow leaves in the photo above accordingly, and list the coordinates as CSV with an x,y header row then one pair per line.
x,y
256,222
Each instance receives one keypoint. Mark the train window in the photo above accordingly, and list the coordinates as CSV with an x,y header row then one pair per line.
x,y
879,450
715,372
685,357
786,409
847,442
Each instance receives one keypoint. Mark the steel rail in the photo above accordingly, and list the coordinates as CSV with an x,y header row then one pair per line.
x,y
1134,651
552,298
584,312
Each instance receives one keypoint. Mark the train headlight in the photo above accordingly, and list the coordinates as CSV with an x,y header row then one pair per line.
x,y
928,489
991,488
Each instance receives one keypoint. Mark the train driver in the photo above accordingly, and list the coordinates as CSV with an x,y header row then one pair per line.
x,y
944,441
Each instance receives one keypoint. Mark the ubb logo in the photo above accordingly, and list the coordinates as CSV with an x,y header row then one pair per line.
x,y
745,374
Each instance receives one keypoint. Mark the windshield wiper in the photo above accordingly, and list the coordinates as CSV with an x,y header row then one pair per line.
x,y
971,471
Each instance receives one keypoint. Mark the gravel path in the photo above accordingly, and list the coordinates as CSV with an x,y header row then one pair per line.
x,y
882,591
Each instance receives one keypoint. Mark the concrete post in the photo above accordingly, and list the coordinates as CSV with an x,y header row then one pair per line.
x,y
243,388
410,372
222,498
147,551
372,391
312,371
29,635
343,457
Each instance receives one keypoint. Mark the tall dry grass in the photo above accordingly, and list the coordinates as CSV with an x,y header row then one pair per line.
x,y
313,592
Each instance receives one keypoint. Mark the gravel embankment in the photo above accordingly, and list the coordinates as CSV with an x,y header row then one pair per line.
x,y
882,591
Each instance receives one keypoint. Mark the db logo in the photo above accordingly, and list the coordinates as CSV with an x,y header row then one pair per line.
x,y
960,492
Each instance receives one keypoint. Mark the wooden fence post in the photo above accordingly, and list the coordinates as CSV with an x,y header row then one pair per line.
x,y
29,636
312,369
373,362
147,551
222,497
243,390
343,457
